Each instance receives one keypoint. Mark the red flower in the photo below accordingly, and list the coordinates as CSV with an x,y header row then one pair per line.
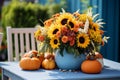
x,y
72,42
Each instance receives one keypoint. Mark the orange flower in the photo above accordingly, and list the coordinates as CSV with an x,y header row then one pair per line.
x,y
58,34
64,28
48,22
81,24
56,15
76,27
76,14
64,39
41,38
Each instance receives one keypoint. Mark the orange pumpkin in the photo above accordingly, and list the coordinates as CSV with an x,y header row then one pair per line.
x,y
96,56
27,63
49,62
34,53
30,60
91,66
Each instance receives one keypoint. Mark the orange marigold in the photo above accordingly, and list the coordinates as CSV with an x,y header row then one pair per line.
x,y
56,15
64,39
48,22
41,38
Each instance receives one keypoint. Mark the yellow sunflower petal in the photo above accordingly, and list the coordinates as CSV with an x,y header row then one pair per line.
x,y
84,17
95,35
37,33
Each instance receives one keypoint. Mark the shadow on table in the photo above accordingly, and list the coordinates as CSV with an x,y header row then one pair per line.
x,y
106,74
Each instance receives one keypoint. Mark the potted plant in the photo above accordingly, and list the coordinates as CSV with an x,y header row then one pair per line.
x,y
70,37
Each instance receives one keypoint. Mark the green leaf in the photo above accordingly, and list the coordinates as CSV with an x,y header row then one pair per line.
x,y
61,51
76,52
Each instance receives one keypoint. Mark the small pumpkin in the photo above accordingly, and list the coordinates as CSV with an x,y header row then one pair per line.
x,y
97,56
49,62
91,65
27,63
30,61
34,53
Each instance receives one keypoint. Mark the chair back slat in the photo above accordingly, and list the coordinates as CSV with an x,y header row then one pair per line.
x,y
20,41
27,42
32,41
16,47
9,44
22,44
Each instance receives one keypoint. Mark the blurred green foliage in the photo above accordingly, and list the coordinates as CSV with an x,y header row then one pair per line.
x,y
23,14
26,14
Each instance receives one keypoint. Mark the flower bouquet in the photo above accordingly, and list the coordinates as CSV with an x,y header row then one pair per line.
x,y
71,33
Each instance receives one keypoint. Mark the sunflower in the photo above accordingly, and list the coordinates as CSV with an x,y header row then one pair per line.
x,y
52,32
63,19
84,17
95,35
83,40
54,42
95,27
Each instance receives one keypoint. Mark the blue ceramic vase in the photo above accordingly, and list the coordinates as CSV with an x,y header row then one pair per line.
x,y
68,61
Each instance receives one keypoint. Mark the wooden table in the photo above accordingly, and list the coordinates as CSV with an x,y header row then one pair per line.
x,y
111,71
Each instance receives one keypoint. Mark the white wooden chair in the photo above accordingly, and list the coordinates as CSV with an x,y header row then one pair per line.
x,y
19,41
1,35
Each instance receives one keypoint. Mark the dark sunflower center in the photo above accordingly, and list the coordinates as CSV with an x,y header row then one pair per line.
x,y
64,21
55,41
94,29
55,31
71,24
81,40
